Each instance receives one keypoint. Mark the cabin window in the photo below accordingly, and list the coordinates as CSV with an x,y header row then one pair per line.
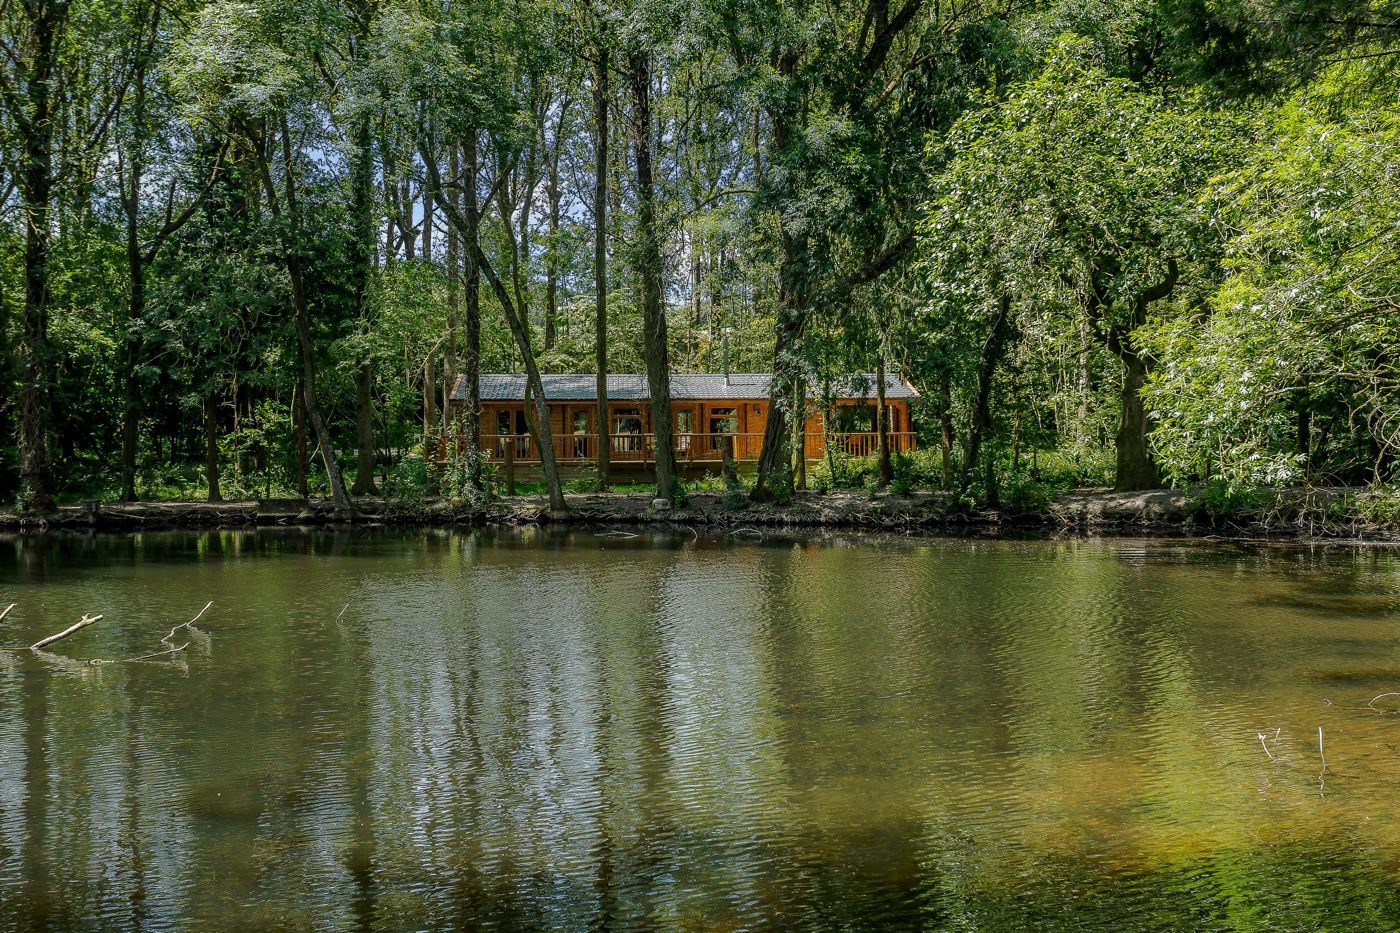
x,y
627,421
578,422
503,429
684,428
854,419
724,421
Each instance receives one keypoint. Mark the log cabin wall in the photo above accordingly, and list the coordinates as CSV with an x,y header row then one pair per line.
x,y
705,418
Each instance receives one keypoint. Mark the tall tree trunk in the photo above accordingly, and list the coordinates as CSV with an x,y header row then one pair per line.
x,y
792,311
428,208
364,433
130,183
362,264
46,21
471,294
773,458
980,422
882,423
430,421
649,273
454,288
600,259
1135,468
300,410
551,282
302,311
211,446
945,424
534,387
136,309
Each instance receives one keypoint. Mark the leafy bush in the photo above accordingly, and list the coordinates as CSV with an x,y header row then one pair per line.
x,y
1220,499
1024,495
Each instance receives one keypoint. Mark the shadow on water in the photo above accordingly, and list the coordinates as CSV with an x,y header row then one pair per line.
x,y
573,729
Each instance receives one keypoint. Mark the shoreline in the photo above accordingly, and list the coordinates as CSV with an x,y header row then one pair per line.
x,y
1167,513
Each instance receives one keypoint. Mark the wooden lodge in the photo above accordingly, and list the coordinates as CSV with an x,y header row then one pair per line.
x,y
710,412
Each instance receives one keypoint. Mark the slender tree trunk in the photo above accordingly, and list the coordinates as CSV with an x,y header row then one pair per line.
x,y
430,421
454,288
1082,384
136,309
551,283
130,183
302,312
600,259
882,424
471,294
36,191
428,208
945,423
649,274
211,446
534,387
364,433
300,410
993,349
1305,439
362,259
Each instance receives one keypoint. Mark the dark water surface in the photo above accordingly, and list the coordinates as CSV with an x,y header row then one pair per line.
x,y
570,731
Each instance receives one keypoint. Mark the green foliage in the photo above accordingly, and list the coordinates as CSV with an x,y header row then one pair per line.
x,y
1304,321
1220,499
1087,181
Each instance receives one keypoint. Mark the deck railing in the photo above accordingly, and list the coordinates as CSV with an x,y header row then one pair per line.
x,y
690,447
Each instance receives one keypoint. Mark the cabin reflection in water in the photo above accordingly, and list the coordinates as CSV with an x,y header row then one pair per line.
x,y
709,412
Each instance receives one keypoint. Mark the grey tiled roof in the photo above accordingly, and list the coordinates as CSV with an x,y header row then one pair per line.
x,y
623,387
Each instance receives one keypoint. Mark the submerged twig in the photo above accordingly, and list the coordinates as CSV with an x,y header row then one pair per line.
x,y
173,649
145,657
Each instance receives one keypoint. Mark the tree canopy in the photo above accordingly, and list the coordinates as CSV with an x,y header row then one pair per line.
x,y
250,247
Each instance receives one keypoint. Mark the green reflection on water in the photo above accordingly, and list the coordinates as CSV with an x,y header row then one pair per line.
x,y
544,729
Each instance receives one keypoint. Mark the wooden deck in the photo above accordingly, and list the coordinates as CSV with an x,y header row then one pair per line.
x,y
698,449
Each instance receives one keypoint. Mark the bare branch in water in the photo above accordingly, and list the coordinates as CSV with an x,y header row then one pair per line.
x,y
1266,746
7,610
1321,775
173,649
186,625
1372,702
82,623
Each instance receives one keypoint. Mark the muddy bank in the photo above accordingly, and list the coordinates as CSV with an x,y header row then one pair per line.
x,y
1295,514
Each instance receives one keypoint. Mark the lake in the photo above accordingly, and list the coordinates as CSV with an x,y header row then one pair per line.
x,y
386,730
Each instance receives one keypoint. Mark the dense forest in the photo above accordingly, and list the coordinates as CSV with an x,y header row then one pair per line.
x,y
246,246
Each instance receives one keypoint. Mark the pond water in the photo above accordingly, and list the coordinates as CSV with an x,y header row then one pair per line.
x,y
435,730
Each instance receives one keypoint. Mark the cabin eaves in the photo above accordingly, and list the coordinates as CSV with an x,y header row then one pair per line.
x,y
624,387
